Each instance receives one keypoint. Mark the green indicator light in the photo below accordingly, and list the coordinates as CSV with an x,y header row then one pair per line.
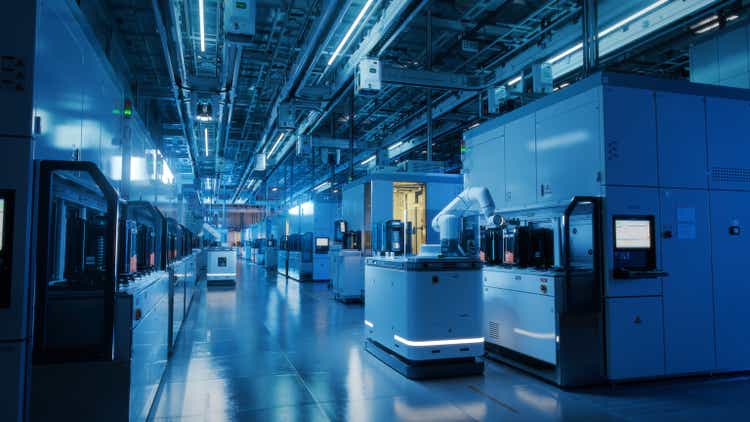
x,y
128,112
116,111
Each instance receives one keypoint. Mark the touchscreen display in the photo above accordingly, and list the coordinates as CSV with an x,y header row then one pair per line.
x,y
632,234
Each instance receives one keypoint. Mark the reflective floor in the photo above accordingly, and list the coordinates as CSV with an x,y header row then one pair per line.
x,y
277,350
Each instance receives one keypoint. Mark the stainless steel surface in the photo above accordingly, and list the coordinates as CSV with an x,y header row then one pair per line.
x,y
277,350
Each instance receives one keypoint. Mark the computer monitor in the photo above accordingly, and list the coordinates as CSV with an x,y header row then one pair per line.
x,y
633,233
634,243
321,242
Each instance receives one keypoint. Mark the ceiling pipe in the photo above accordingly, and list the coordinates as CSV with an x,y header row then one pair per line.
x,y
173,83
303,62
345,82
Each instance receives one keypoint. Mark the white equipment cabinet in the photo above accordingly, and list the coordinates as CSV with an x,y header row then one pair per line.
x,y
347,274
222,266
423,314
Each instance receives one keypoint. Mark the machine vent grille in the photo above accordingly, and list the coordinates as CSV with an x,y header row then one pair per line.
x,y
730,174
494,330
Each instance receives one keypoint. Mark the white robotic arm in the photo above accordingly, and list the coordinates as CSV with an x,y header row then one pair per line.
x,y
476,198
448,222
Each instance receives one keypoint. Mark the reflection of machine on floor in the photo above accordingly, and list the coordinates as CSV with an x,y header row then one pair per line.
x,y
282,254
423,313
347,264
183,267
272,253
301,257
112,340
222,266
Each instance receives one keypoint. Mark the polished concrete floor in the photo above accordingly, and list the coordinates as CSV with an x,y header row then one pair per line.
x,y
277,350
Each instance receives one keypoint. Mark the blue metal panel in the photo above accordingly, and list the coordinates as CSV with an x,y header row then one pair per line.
x,y
731,286
568,141
629,201
635,342
352,207
681,122
58,90
704,62
728,143
733,58
483,163
520,162
630,137
687,291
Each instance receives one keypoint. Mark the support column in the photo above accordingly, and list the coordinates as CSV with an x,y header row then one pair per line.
x,y
590,37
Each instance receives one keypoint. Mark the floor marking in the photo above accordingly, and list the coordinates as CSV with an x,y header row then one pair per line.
x,y
480,392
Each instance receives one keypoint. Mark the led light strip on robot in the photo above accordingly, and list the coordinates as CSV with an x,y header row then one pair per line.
x,y
433,343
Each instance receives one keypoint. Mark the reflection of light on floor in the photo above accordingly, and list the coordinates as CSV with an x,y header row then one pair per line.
x,y
544,403
354,379
436,412
532,334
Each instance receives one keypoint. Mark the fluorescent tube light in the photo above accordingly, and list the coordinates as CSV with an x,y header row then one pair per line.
x,y
276,144
632,17
369,324
515,80
202,25
205,139
430,343
323,186
610,29
565,53
350,32
371,158
704,22
708,28
396,145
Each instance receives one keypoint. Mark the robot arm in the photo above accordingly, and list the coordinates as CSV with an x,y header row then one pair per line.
x,y
448,221
470,199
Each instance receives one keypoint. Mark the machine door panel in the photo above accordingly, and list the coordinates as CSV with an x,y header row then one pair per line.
x,y
635,341
682,140
625,202
728,143
687,290
730,244
520,167
630,137
483,163
522,322
568,138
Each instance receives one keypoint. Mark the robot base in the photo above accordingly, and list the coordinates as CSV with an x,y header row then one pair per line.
x,y
418,370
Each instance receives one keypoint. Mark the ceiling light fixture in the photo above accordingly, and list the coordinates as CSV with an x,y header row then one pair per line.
x,y
323,186
396,145
631,18
368,160
704,21
515,80
350,32
202,26
610,29
205,139
276,144
707,28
